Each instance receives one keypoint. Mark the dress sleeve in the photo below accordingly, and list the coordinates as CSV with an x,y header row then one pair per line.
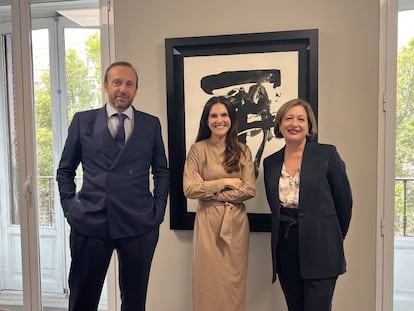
x,y
193,188
248,188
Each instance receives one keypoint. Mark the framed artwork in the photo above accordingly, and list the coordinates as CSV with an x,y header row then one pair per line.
x,y
258,72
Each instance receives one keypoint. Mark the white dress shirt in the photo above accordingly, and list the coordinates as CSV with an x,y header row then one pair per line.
x,y
113,120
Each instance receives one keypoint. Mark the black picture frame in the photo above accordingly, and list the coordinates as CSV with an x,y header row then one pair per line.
x,y
304,42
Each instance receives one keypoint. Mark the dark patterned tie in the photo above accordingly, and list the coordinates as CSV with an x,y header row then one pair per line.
x,y
120,134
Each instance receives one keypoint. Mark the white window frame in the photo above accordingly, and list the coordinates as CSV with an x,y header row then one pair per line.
x,y
386,151
21,29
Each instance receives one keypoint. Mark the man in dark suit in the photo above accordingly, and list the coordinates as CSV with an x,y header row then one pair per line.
x,y
115,208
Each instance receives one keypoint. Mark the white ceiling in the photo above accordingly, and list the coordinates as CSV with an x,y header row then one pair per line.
x,y
70,9
404,5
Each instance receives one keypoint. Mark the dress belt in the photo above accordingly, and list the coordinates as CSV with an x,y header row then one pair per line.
x,y
226,229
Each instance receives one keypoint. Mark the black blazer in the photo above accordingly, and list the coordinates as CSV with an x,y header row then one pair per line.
x,y
115,200
324,210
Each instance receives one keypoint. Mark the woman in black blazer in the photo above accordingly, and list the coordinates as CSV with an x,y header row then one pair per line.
x,y
311,202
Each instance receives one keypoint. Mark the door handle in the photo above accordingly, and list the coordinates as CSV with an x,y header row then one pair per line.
x,y
28,188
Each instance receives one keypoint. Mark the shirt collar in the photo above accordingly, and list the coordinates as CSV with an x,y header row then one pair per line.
x,y
129,112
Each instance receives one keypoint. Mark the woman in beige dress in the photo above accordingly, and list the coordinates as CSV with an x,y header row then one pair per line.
x,y
219,172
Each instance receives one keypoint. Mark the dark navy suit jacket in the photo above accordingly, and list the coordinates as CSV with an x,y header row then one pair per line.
x,y
115,200
324,210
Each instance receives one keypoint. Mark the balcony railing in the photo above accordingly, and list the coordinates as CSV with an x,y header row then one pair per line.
x,y
46,198
404,207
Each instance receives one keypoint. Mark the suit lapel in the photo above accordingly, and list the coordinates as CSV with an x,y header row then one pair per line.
x,y
101,134
275,172
309,163
139,127
140,133
100,126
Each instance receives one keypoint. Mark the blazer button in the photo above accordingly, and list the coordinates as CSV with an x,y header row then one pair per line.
x,y
301,216
131,172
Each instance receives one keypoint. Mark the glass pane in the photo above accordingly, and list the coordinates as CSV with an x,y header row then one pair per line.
x,y
404,167
51,241
66,78
83,70
11,285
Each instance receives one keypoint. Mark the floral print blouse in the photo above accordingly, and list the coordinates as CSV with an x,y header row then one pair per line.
x,y
289,188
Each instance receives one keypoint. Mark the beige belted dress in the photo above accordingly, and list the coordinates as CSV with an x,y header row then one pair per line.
x,y
221,229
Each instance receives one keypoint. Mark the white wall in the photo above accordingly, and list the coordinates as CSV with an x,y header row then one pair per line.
x,y
348,92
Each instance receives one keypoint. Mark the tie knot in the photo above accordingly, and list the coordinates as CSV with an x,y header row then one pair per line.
x,y
121,117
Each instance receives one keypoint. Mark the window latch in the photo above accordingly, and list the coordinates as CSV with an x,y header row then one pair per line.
x,y
28,188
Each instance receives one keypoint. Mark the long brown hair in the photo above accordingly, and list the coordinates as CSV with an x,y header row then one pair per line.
x,y
233,150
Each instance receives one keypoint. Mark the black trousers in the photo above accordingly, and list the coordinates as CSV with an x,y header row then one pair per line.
x,y
90,261
301,294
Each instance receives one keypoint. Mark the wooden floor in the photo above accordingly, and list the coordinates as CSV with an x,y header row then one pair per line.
x,y
13,301
20,308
